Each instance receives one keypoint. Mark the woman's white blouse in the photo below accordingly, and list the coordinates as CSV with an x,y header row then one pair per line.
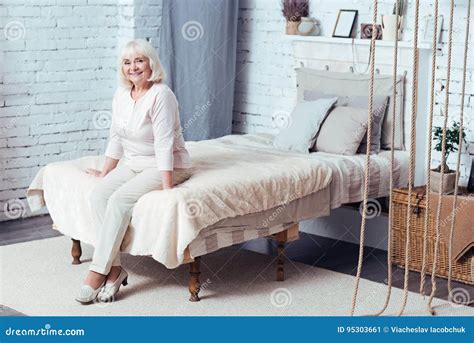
x,y
147,132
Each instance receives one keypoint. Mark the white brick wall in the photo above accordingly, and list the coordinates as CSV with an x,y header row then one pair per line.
x,y
266,82
59,69
62,70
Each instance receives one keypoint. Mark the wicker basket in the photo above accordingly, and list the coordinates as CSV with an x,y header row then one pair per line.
x,y
462,270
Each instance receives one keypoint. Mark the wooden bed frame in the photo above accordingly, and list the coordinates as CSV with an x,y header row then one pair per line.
x,y
288,235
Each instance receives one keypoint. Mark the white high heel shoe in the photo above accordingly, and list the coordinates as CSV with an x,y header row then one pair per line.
x,y
110,289
89,294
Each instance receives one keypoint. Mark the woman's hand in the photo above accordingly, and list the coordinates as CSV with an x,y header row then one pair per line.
x,y
109,165
95,172
167,176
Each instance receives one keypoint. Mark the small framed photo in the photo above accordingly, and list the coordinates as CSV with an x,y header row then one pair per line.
x,y
345,23
367,31
428,28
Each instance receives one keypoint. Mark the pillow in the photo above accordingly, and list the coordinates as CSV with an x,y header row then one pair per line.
x,y
348,84
342,131
300,132
378,113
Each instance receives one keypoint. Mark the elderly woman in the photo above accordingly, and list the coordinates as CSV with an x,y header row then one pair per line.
x,y
146,134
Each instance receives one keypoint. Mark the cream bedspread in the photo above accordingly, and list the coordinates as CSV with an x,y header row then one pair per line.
x,y
230,180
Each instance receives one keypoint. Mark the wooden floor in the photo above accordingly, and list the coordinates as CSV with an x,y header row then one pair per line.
x,y
313,250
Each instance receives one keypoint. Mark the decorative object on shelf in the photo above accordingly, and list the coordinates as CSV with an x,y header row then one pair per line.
x,y
293,10
366,31
308,27
470,184
392,23
451,145
428,27
345,23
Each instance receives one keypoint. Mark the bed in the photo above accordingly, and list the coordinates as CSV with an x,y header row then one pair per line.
x,y
64,188
243,186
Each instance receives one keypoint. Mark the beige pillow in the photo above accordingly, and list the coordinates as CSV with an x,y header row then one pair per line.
x,y
342,131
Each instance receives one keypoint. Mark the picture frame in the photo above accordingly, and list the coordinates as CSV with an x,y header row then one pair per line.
x,y
366,31
427,29
345,23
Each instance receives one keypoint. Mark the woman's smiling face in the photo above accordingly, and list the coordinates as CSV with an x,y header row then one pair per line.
x,y
137,68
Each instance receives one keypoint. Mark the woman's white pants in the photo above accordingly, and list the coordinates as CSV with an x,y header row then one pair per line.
x,y
112,202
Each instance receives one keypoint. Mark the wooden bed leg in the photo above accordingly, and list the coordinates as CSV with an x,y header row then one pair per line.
x,y
291,234
280,266
194,285
76,251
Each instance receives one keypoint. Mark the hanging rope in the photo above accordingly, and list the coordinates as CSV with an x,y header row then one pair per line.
x,y
458,163
367,160
411,170
443,159
392,167
428,150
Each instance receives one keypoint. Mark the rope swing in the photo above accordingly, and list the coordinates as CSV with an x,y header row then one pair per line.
x,y
411,170
458,162
392,167
367,159
443,154
428,151
443,158
412,151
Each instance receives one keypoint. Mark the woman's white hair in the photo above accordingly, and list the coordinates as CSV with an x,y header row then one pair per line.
x,y
142,47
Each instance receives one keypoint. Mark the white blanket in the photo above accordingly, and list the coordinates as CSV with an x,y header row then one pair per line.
x,y
230,180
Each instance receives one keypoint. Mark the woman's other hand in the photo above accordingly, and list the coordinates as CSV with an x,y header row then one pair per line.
x,y
167,176
95,172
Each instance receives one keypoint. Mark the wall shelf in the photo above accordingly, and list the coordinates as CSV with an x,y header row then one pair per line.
x,y
357,41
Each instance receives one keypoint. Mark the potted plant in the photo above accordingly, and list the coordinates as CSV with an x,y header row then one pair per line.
x,y
452,143
392,23
293,10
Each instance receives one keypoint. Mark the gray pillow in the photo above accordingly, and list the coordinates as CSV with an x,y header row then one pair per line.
x,y
348,84
378,113
342,130
299,132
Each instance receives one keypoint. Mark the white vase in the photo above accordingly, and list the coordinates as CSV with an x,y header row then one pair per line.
x,y
308,26
390,25
448,185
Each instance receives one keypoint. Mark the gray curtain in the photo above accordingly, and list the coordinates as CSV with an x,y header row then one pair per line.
x,y
198,50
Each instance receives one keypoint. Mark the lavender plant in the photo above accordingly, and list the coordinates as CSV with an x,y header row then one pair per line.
x,y
293,10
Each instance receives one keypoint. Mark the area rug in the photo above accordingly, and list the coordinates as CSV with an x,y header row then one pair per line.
x,y
38,279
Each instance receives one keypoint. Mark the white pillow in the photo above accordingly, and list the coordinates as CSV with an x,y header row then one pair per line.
x,y
300,129
342,131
